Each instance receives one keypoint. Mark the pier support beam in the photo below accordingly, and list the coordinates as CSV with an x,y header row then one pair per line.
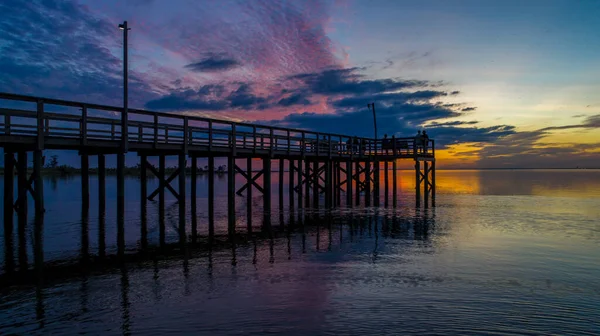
x,y
38,183
193,198
338,178
349,178
426,185
181,201
161,200
307,181
358,183
418,183
85,181
231,197
368,172
315,184
433,183
394,184
211,199
121,204
376,183
281,181
267,192
386,188
22,208
299,184
249,195
291,185
9,162
101,205
143,201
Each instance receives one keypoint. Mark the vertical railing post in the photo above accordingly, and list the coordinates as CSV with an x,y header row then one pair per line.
x,y
360,147
140,133
253,139
303,146
40,125
84,125
394,146
318,144
185,134
433,148
155,131
415,147
271,141
330,145
233,140
289,142
7,124
210,135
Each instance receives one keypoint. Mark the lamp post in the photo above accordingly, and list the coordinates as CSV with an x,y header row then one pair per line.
x,y
369,106
124,131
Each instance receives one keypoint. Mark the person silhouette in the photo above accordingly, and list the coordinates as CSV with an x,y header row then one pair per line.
x,y
425,141
418,141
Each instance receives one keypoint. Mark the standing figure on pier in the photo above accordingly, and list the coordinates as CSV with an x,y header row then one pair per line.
x,y
425,141
418,142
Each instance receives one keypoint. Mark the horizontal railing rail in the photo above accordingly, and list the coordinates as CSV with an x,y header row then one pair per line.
x,y
100,122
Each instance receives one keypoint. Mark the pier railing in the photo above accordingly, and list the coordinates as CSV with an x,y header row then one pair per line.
x,y
62,123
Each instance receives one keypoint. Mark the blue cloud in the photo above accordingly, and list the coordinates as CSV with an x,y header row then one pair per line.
x,y
214,63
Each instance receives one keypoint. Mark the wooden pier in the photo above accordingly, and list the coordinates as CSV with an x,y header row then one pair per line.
x,y
321,166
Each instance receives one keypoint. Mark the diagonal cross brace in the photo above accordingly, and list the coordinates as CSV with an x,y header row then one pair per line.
x,y
251,181
163,183
23,192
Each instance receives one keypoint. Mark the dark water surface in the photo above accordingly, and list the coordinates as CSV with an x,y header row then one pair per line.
x,y
503,252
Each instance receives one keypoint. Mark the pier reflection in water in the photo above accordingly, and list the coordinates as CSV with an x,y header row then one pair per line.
x,y
482,261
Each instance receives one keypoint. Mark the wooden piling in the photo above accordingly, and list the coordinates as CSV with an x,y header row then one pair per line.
x,y
211,198
38,183
85,181
349,183
194,196
231,196
338,186
358,169
181,200
281,181
101,205
433,183
368,184
377,184
394,184
418,182
308,181
315,184
9,159
267,191
143,202
426,184
386,188
291,185
22,208
300,186
249,195
161,201
121,204
101,183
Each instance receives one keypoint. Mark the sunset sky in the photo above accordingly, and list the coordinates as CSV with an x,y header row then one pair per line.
x,y
495,83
